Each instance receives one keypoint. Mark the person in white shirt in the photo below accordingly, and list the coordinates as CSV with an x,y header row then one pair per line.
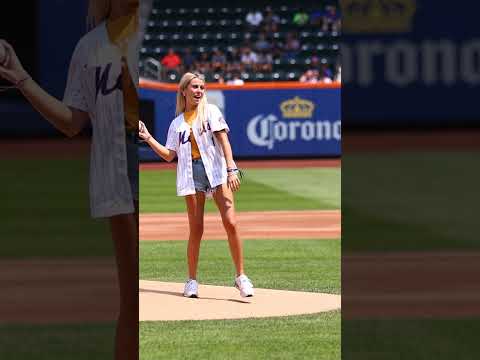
x,y
198,138
249,58
102,77
254,18
236,80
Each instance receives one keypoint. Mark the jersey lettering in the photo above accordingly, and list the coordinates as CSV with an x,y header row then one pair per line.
x,y
101,81
184,137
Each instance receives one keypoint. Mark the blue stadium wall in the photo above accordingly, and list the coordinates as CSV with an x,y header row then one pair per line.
x,y
261,122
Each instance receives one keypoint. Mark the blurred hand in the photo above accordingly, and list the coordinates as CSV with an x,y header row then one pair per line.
x,y
11,69
233,181
143,131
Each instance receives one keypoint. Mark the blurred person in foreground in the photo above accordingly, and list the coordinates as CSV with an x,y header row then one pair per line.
x,y
198,138
101,90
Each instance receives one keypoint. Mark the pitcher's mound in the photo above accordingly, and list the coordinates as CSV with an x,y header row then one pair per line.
x,y
165,301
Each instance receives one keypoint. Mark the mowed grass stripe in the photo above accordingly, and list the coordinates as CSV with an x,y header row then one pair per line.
x,y
46,210
280,190
302,265
57,341
422,339
320,184
300,337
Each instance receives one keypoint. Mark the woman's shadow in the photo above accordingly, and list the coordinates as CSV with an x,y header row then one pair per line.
x,y
174,293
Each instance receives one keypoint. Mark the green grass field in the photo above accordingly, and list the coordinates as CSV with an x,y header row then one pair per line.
x,y
61,342
262,189
46,210
303,265
410,201
419,339
297,337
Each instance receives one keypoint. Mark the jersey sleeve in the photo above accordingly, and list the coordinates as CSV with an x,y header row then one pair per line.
x,y
216,120
75,95
172,141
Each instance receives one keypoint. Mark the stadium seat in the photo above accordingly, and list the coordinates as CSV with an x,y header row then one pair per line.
x,y
206,28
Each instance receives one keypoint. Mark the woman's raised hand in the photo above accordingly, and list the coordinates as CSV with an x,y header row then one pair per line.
x,y
143,131
11,68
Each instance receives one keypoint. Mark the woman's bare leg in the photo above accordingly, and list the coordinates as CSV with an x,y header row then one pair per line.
x,y
225,202
195,209
124,230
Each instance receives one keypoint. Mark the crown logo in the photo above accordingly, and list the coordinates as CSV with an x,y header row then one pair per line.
x,y
297,108
377,16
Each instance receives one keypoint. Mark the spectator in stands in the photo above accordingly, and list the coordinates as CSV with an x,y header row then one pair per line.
x,y
170,62
309,76
234,58
236,79
316,17
315,60
300,18
271,21
323,78
331,19
292,46
277,50
249,58
188,60
264,61
254,18
262,44
218,61
203,65
326,72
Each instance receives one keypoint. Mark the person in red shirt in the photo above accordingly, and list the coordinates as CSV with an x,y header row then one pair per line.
x,y
170,62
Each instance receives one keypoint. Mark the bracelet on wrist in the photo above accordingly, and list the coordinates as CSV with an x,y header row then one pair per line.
x,y
21,81
16,85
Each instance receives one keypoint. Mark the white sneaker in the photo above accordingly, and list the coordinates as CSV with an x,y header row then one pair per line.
x,y
245,286
191,289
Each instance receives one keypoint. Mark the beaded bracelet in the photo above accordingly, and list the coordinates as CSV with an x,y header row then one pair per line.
x,y
16,85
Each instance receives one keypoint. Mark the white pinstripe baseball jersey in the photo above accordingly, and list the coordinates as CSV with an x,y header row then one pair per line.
x,y
210,150
94,86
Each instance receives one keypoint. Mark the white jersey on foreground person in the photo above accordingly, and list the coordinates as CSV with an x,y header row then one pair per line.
x,y
94,86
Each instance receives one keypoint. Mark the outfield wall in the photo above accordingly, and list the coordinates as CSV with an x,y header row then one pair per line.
x,y
281,119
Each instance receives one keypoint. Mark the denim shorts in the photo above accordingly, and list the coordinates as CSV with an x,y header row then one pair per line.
x,y
200,178
132,163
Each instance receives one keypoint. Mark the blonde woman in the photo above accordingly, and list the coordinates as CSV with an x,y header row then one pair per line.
x,y
101,89
198,138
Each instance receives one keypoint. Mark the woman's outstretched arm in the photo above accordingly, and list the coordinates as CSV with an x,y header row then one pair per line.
x,y
161,150
68,120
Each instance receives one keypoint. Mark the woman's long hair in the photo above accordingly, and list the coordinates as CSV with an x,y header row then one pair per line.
x,y
181,102
98,11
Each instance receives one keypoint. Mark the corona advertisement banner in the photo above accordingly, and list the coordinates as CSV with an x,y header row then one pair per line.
x,y
303,122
